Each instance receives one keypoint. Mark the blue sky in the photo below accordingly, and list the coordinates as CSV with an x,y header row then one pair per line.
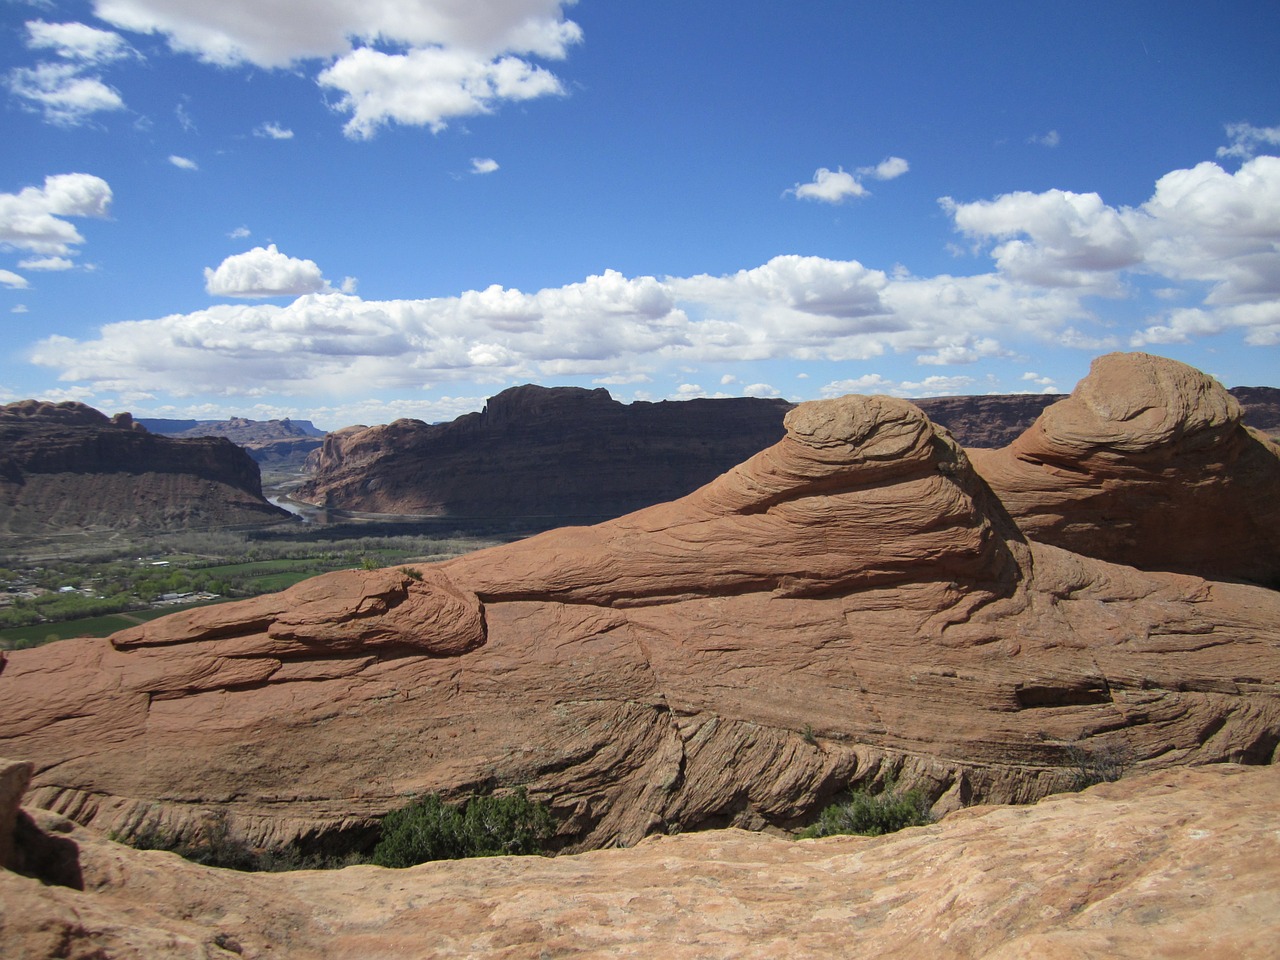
x,y
352,212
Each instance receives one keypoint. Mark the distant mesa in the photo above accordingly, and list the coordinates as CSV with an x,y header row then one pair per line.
x,y
560,452
67,466
269,442
849,605
579,455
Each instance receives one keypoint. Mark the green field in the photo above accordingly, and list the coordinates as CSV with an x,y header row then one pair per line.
x,y
16,637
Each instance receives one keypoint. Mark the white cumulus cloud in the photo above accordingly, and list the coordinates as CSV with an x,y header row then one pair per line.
x,y
13,280
830,186
33,218
77,41
63,92
889,168
272,131
1211,236
451,58
428,87
264,272
46,263
1247,140
69,90
483,165
836,186
183,163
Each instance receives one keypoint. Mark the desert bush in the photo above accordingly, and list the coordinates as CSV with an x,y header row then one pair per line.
x,y
1097,764
484,826
872,815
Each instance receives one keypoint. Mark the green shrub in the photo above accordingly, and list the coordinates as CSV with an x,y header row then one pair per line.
x,y
872,815
488,826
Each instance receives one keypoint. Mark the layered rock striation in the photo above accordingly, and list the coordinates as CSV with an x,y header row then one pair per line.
x,y
849,605
1148,463
69,467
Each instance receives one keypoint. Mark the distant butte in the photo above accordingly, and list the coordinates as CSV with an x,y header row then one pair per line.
x,y
572,455
66,467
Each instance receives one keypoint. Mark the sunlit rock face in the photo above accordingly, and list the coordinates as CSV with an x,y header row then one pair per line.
x,y
849,604
1147,463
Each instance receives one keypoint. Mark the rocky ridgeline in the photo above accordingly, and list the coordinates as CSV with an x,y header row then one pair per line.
x,y
849,605
67,466
562,452
573,454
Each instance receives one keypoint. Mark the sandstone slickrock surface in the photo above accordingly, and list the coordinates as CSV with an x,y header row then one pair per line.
x,y
847,605
1180,864
1147,463
67,466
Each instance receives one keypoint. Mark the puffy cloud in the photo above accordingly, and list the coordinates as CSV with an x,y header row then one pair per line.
x,y
610,327
183,163
873,383
264,272
275,35
1075,239
68,92
836,186
272,131
32,219
1050,139
1247,140
889,168
428,87
63,93
239,233
46,263
1202,230
13,281
830,186
1201,225
77,41
453,57
483,165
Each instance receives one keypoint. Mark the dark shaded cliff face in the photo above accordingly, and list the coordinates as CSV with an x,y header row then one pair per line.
x,y
991,421
574,454
69,467
543,452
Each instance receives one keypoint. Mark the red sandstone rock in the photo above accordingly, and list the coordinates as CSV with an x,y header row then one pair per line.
x,y
1174,864
1147,463
847,605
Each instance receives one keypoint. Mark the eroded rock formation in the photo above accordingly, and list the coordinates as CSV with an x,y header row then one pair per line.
x,y
1180,863
67,466
1147,463
849,604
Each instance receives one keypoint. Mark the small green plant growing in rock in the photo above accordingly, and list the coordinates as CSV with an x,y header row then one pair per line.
x,y
484,826
871,815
